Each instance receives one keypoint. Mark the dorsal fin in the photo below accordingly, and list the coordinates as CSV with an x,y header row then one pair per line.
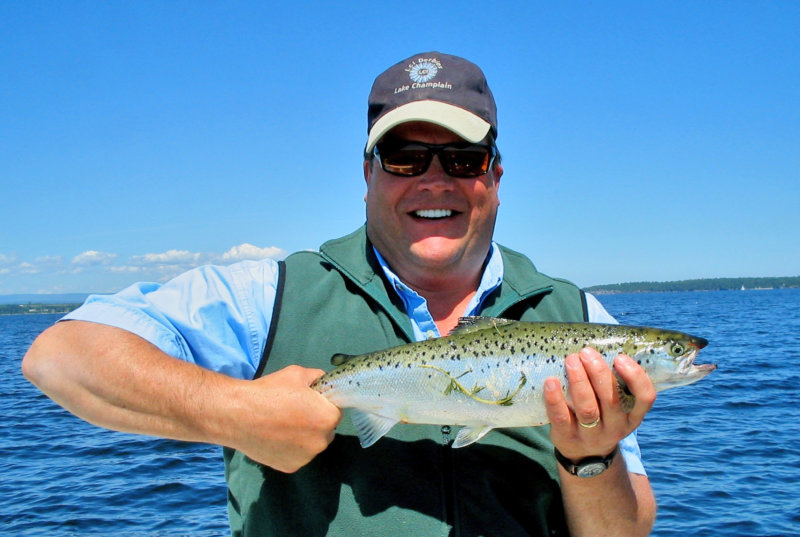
x,y
339,359
468,325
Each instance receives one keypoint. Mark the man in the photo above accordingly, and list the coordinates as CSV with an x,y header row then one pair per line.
x,y
424,259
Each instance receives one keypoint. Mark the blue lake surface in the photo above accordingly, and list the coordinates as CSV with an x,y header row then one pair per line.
x,y
723,454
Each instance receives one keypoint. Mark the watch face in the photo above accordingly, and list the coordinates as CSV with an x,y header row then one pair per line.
x,y
591,469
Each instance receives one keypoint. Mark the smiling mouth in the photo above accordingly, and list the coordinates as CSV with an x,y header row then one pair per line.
x,y
433,214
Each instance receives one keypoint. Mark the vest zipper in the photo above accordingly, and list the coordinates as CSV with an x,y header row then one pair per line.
x,y
446,435
448,490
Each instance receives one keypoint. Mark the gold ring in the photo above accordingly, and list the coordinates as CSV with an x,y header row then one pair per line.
x,y
595,423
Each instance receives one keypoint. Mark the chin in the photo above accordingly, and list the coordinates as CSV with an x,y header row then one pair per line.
x,y
437,250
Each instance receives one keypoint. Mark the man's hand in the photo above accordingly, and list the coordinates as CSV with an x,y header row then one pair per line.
x,y
283,423
616,502
593,396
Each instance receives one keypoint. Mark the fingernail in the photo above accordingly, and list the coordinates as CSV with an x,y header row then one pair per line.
x,y
572,361
587,356
624,360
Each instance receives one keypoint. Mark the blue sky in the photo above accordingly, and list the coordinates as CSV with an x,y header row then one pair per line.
x,y
641,140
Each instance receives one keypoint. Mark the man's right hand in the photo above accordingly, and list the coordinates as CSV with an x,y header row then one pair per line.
x,y
287,423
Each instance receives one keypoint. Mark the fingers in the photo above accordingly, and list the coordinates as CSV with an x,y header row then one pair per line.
x,y
639,384
567,408
309,375
284,424
590,384
558,412
589,418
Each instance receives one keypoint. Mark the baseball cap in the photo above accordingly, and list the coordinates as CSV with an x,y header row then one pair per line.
x,y
436,88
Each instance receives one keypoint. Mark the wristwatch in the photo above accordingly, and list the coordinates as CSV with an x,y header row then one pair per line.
x,y
588,467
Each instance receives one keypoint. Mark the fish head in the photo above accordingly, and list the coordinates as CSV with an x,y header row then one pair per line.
x,y
669,357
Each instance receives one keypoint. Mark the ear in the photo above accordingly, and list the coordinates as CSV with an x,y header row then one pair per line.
x,y
367,170
498,173
367,175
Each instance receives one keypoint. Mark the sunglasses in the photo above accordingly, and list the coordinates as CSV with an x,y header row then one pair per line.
x,y
409,159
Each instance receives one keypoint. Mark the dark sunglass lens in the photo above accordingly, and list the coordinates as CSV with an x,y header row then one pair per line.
x,y
467,162
407,161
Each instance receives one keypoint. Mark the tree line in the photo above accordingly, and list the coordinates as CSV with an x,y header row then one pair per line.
x,y
708,284
27,309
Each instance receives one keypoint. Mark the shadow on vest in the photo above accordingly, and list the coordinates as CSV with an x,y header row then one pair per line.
x,y
418,488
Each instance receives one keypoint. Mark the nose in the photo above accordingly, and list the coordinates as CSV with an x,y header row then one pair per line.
x,y
435,178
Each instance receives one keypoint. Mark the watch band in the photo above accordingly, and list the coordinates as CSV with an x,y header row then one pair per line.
x,y
588,467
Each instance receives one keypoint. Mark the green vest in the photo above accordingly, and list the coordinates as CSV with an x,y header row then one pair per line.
x,y
411,482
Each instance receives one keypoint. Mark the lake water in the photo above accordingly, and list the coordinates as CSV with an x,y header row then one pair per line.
x,y
723,454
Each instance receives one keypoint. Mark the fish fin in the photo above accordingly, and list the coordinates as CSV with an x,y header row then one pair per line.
x,y
469,435
339,359
626,398
371,427
467,325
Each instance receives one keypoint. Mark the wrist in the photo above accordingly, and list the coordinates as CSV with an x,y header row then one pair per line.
x,y
587,466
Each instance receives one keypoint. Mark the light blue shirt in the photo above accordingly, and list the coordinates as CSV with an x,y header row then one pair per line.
x,y
218,317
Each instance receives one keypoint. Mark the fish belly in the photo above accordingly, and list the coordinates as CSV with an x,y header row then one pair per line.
x,y
497,392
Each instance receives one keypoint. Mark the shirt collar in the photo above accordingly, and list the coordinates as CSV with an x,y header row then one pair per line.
x,y
417,307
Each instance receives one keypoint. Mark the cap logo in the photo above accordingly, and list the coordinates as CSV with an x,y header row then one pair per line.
x,y
421,71
425,70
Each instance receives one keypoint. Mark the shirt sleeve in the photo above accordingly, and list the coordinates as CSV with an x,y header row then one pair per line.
x,y
629,447
215,317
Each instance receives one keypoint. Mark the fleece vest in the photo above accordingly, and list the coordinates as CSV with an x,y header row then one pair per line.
x,y
411,482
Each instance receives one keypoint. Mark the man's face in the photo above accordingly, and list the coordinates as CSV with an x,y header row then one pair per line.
x,y
431,225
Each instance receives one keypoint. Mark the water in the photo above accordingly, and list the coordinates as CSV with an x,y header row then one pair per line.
x,y
61,476
722,454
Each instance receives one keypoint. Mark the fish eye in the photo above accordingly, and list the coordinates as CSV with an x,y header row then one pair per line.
x,y
677,349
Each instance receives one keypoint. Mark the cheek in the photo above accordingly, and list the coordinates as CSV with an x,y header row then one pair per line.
x,y
381,197
484,197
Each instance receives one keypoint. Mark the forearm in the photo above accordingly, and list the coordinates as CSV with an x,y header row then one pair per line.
x,y
113,378
614,503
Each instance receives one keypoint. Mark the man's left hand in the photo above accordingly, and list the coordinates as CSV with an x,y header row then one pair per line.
x,y
590,420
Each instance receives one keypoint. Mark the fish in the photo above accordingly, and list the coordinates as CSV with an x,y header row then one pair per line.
x,y
489,373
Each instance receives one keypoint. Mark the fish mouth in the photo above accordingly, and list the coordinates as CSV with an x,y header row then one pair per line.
x,y
687,367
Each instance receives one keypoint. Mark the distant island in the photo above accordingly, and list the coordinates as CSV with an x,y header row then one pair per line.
x,y
708,284
40,303
31,308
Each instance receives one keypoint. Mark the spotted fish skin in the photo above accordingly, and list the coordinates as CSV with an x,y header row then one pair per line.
x,y
490,373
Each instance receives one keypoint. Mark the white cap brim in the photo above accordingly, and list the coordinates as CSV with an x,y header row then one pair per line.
x,y
462,122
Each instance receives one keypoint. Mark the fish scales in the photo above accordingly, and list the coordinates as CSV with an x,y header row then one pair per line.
x,y
490,373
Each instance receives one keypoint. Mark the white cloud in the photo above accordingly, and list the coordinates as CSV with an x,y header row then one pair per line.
x,y
93,257
125,268
27,268
170,257
6,260
248,251
97,271
50,260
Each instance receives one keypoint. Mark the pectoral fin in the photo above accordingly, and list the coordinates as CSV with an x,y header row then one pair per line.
x,y
339,359
626,398
371,427
469,435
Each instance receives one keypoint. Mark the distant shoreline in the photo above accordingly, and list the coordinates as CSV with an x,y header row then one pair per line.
x,y
708,284
36,304
35,309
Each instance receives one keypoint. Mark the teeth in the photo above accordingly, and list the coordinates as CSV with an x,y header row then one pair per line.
x,y
434,213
